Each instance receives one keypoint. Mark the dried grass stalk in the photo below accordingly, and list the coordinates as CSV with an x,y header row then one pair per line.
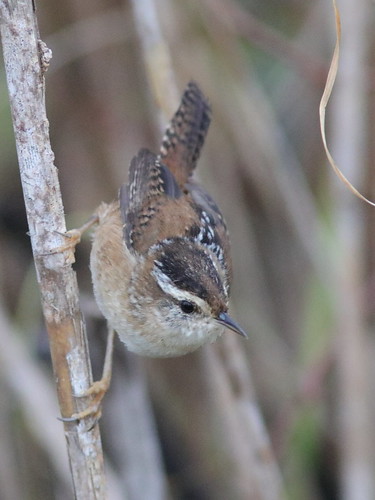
x,y
26,59
332,73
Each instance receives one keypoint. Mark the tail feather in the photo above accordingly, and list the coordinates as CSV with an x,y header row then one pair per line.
x,y
185,134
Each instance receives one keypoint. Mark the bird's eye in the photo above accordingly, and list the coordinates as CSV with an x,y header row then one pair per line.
x,y
187,307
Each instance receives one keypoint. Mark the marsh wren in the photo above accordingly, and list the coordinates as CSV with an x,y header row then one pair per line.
x,y
160,258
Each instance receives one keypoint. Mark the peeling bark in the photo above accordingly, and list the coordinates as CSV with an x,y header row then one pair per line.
x,y
26,59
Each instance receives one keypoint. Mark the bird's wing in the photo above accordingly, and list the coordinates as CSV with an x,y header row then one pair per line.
x,y
150,187
210,230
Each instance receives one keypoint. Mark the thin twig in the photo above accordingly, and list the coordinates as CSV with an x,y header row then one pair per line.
x,y
349,121
25,60
157,60
256,473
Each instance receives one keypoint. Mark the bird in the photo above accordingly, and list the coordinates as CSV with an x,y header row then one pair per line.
x,y
160,259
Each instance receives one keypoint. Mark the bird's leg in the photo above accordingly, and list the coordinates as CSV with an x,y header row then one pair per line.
x,y
98,389
74,235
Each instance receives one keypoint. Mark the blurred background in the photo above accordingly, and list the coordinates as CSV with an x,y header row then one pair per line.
x,y
290,413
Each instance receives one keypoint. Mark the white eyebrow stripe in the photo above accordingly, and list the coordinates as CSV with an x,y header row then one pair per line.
x,y
168,287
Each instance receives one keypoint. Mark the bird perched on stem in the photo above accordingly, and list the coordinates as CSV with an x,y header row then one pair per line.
x,y
160,259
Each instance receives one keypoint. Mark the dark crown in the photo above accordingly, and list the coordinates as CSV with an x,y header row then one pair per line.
x,y
194,270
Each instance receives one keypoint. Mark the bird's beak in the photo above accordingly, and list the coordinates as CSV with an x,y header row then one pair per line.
x,y
225,320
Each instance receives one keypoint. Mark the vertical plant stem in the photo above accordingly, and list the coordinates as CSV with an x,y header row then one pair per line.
x,y
25,60
157,60
244,424
255,471
348,141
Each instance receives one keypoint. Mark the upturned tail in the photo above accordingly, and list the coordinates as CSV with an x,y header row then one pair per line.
x,y
185,134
